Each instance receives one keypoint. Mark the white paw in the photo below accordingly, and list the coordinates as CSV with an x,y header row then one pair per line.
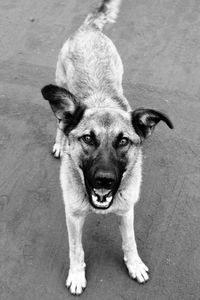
x,y
57,150
76,282
138,270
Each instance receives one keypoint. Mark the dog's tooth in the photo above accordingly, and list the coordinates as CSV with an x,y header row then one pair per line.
x,y
94,198
109,199
100,201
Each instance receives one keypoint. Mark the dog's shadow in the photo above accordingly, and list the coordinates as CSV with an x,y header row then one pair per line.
x,y
101,236
102,243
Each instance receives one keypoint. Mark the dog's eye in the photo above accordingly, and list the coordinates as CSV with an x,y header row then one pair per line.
x,y
123,142
87,138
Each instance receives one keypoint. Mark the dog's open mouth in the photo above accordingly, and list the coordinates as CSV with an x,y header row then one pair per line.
x,y
101,198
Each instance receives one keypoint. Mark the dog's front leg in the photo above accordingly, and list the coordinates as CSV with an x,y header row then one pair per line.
x,y
76,281
136,268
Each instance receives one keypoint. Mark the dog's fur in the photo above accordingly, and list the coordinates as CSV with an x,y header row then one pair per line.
x,y
99,138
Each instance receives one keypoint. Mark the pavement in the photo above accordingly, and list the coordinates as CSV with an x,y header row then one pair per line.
x,y
159,43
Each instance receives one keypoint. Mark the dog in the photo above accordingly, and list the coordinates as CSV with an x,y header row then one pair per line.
x,y
99,138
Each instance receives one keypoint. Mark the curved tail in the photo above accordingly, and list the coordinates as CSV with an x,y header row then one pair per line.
x,y
106,13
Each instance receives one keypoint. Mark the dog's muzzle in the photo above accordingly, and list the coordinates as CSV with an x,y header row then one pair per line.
x,y
101,198
101,188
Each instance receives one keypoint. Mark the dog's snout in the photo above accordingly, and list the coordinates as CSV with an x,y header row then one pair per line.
x,y
104,180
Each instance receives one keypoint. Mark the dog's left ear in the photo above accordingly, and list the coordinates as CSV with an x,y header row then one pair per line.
x,y
66,108
60,100
145,120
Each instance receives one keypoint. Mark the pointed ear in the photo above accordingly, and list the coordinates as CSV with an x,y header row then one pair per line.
x,y
145,120
64,105
60,100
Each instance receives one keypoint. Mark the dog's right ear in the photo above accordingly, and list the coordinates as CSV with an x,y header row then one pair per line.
x,y
64,105
144,121
60,100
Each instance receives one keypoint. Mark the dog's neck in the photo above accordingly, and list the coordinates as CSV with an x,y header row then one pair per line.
x,y
104,100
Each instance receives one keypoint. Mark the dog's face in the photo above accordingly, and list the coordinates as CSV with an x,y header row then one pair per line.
x,y
103,143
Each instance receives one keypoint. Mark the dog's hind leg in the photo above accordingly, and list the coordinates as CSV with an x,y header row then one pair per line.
x,y
136,268
57,150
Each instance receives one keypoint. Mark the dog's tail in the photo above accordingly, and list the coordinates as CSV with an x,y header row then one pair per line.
x,y
106,13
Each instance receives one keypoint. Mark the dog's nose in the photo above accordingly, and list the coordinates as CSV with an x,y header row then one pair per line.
x,y
104,180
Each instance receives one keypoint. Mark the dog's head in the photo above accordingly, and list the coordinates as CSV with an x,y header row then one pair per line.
x,y
103,142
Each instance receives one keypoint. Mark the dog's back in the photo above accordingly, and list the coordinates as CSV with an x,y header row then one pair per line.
x,y
89,64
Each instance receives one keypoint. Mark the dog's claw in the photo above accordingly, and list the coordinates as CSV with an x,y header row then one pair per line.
x,y
57,150
138,271
76,282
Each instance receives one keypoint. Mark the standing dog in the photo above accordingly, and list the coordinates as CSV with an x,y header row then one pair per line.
x,y
99,138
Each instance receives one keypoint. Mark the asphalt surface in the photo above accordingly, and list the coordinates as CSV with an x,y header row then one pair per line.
x,y
159,43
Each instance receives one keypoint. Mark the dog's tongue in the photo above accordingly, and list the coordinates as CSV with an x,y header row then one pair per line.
x,y
101,198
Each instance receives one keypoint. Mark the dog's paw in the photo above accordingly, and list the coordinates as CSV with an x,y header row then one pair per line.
x,y
76,282
57,150
138,270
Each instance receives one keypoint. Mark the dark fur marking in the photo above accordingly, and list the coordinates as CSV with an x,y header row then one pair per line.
x,y
104,160
59,99
103,8
117,140
94,138
106,120
71,120
121,102
145,120
53,92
